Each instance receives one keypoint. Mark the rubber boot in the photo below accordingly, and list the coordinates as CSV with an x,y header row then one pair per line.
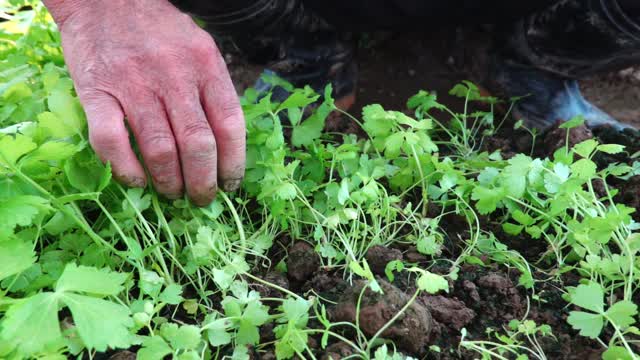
x,y
544,54
290,39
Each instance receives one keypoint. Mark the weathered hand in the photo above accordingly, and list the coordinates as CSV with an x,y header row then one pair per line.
x,y
147,62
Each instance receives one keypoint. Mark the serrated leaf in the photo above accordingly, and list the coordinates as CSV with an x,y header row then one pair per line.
x,y
487,199
286,191
432,283
617,353
185,337
20,211
103,282
590,325
573,123
154,348
611,148
31,325
585,148
101,324
584,168
622,314
16,256
13,148
512,229
377,122
67,108
53,151
590,297
217,333
172,294
247,334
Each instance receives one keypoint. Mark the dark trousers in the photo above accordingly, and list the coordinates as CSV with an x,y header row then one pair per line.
x,y
572,38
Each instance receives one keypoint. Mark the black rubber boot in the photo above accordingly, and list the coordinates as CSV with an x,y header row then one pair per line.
x,y
543,55
290,39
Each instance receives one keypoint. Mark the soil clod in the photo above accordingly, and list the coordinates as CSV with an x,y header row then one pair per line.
x,y
411,331
450,312
379,256
302,262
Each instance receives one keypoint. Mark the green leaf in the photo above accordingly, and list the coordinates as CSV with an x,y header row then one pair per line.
x,y
611,148
248,334
622,314
590,297
522,218
90,280
20,211
101,324
31,325
377,122
432,283
154,348
13,148
16,256
573,123
590,325
85,173
585,148
185,337
216,331
617,353
172,294
53,151
584,169
68,109
54,127
487,199
428,245
300,98
296,310
512,229
255,313
286,191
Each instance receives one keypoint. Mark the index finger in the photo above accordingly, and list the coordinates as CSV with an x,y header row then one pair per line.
x,y
225,116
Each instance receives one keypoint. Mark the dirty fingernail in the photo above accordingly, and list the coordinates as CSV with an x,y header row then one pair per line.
x,y
138,182
231,185
131,181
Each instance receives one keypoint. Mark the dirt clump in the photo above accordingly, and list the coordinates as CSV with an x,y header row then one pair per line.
x,y
411,331
302,262
277,279
450,312
498,289
379,256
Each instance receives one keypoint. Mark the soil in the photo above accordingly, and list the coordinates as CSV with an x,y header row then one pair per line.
x,y
379,256
302,262
411,331
394,67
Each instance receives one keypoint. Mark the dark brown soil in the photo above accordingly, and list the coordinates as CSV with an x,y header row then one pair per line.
x,y
411,331
302,261
379,256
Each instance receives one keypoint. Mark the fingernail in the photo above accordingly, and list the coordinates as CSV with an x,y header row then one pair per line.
x,y
231,185
137,182
131,181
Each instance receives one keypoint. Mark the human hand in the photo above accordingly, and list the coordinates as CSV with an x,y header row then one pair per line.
x,y
147,62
